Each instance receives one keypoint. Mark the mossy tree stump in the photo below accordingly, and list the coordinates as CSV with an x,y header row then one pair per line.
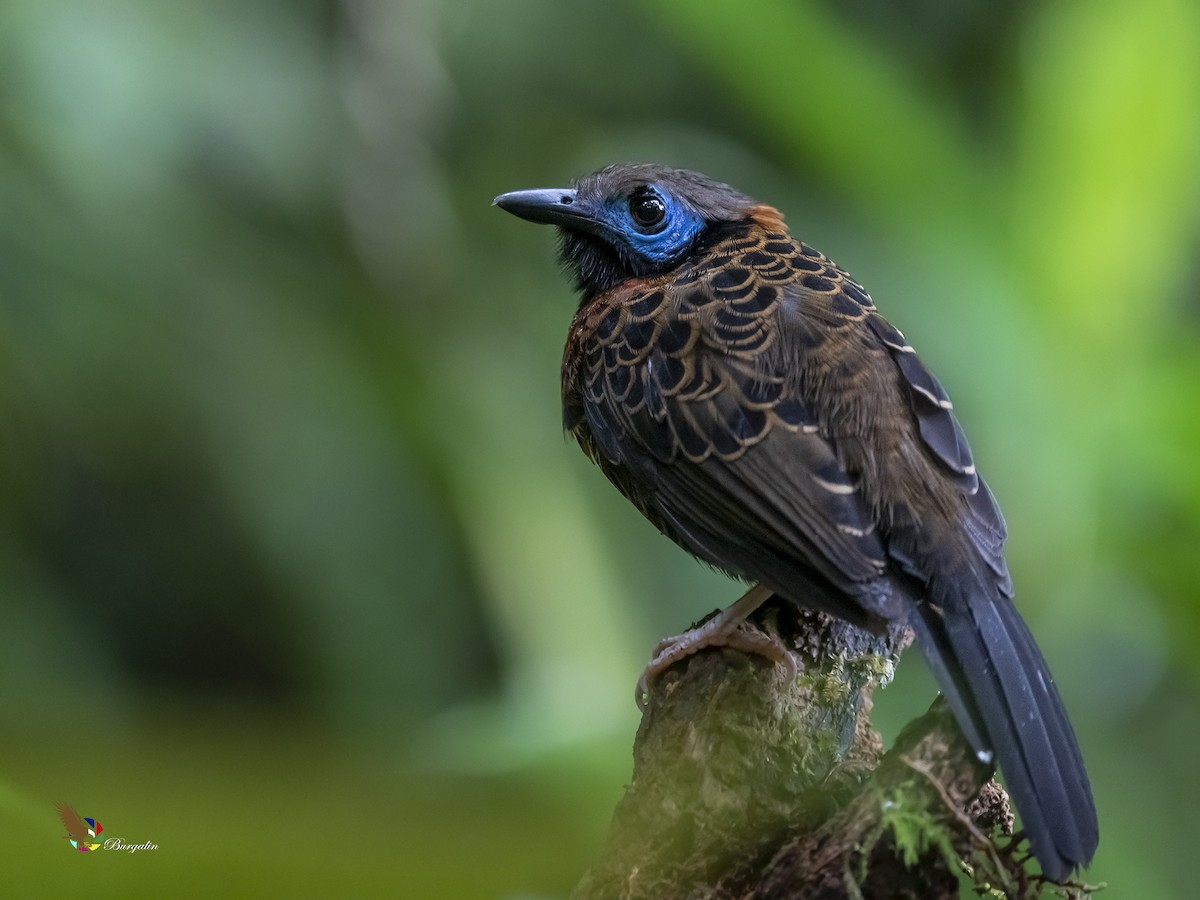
x,y
750,786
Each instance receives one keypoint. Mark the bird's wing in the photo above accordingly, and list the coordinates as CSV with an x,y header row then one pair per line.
x,y
943,437
70,818
982,653
683,388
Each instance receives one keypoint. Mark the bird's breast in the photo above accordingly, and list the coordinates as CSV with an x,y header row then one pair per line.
x,y
759,331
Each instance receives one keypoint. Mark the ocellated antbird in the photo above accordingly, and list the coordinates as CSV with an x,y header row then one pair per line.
x,y
743,392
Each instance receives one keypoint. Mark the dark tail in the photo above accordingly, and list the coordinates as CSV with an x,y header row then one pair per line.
x,y
1001,691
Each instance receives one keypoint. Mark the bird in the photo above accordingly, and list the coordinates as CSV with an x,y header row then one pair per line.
x,y
77,829
746,395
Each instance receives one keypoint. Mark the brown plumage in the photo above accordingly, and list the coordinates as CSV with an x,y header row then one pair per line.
x,y
77,829
747,397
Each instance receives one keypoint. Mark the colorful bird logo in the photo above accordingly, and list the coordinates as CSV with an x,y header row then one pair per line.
x,y
81,832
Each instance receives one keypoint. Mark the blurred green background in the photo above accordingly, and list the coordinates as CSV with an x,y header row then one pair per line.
x,y
299,580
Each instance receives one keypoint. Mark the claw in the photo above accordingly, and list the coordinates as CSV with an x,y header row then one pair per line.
x,y
728,628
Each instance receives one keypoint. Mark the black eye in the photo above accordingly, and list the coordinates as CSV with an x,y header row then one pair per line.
x,y
647,209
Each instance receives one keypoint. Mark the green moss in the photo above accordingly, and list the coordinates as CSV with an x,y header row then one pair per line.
x,y
917,831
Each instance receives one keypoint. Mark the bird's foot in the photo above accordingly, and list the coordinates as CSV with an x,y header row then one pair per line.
x,y
728,628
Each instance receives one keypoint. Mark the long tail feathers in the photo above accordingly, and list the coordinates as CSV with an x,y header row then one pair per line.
x,y
1001,691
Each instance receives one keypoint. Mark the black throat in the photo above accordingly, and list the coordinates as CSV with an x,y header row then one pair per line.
x,y
596,265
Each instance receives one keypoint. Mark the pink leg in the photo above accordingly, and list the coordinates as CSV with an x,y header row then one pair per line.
x,y
728,628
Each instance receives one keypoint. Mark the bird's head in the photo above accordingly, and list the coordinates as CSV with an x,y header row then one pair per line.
x,y
631,221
